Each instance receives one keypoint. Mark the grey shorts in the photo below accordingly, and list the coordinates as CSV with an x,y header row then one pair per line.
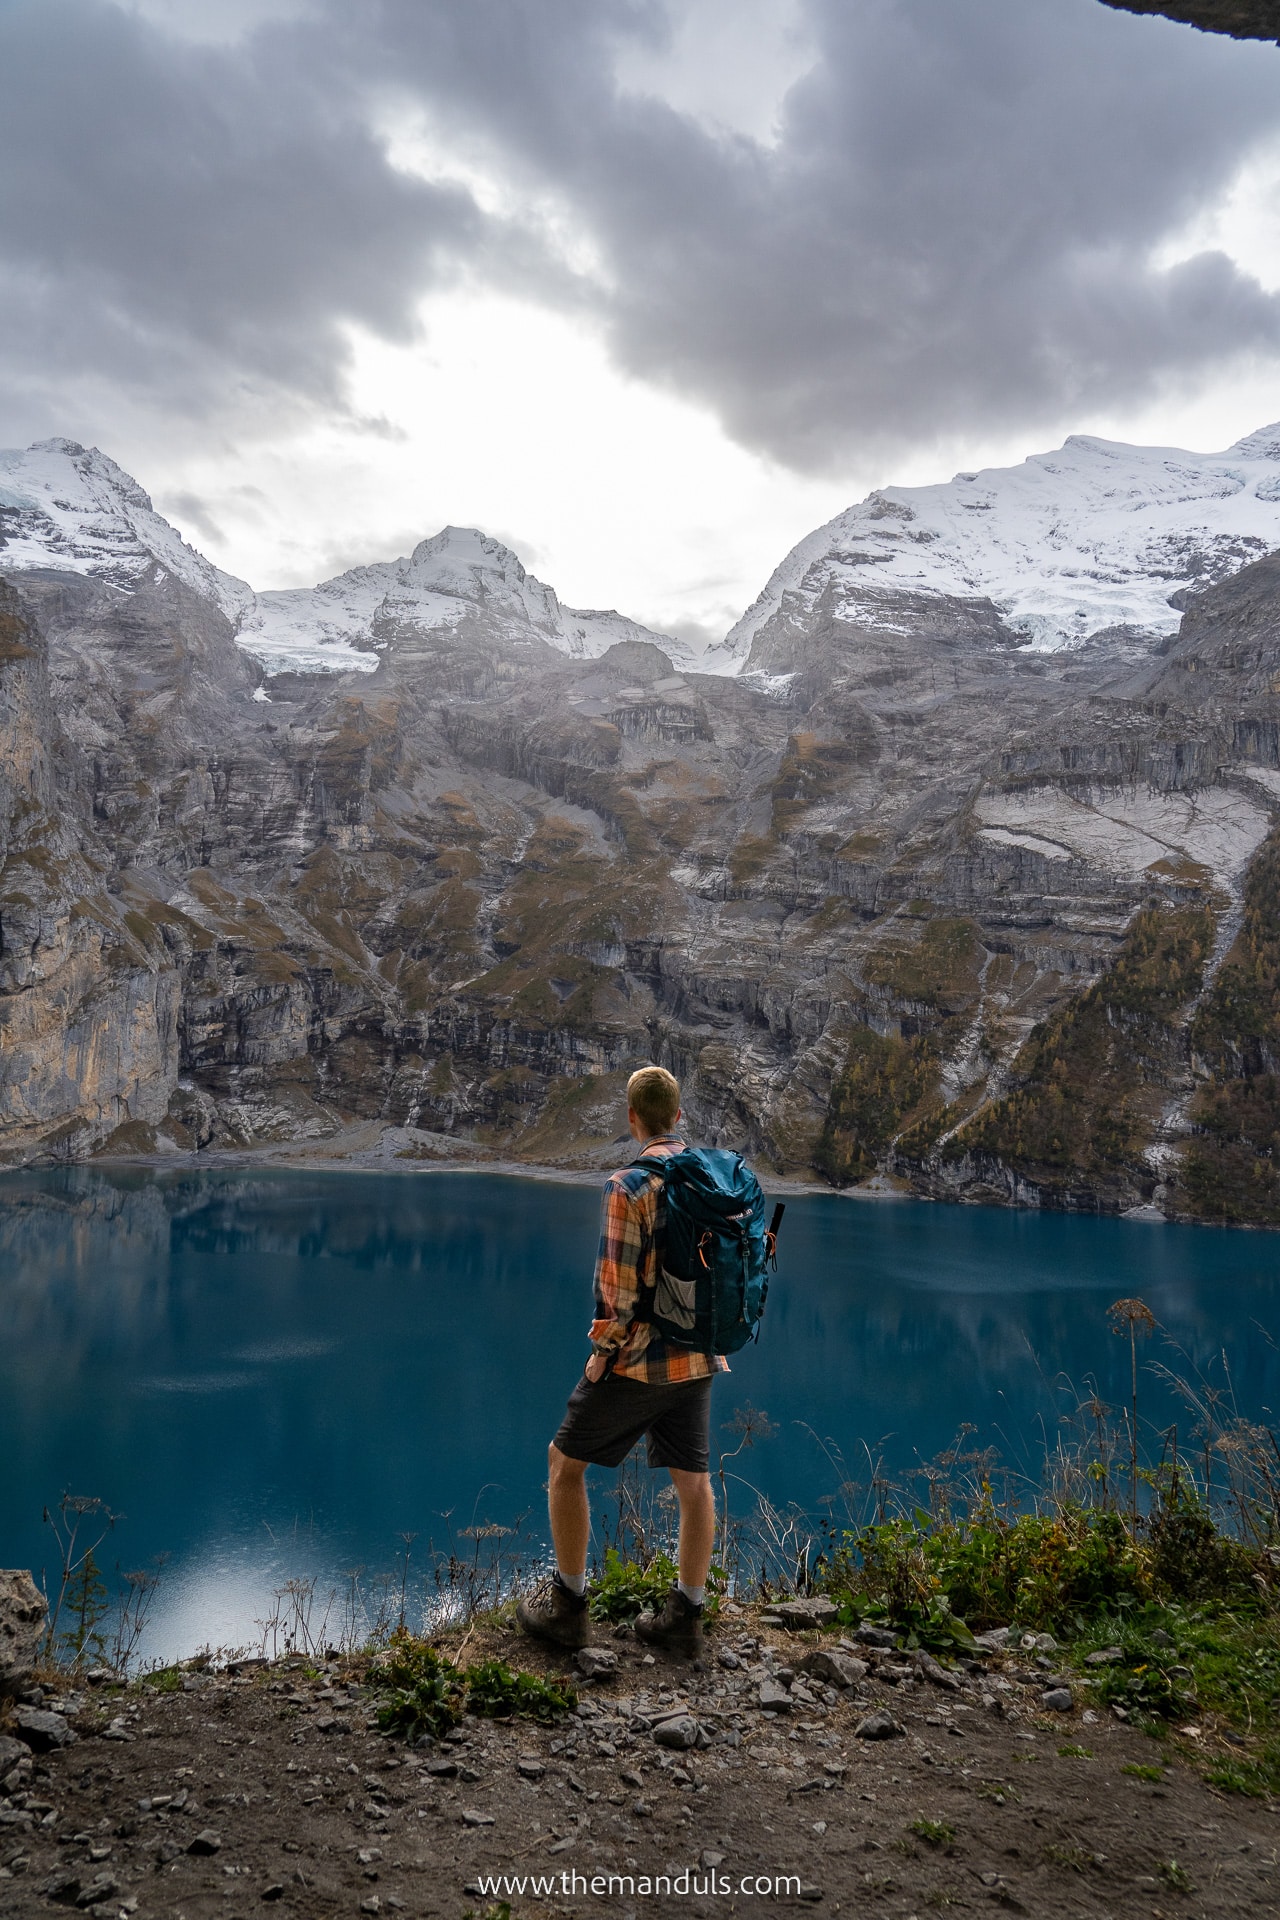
x,y
604,1420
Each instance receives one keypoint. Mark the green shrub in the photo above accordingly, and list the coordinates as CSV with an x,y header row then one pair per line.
x,y
497,1693
1191,1559
424,1691
624,1590
935,1577
426,1694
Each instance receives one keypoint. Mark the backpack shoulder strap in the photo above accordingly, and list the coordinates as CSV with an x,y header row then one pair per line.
x,y
652,1164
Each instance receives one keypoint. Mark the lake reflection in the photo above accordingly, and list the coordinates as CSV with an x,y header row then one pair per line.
x,y
277,1373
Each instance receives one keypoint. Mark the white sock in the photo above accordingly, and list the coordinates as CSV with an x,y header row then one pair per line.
x,y
576,1582
694,1595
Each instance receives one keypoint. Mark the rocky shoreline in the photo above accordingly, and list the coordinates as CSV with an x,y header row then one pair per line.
x,y
845,1773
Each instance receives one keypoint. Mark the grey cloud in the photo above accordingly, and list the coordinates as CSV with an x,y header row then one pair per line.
x,y
186,219
190,510
951,232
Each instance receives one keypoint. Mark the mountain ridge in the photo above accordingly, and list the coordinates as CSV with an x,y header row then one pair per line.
x,y
1095,535
911,903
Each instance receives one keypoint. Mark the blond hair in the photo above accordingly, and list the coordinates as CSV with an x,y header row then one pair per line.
x,y
653,1095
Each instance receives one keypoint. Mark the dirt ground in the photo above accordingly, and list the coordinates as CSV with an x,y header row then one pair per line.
x,y
270,1789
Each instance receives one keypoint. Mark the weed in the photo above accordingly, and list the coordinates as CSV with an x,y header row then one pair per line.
x,y
1176,1877
164,1680
426,1694
1238,1777
497,1693
1136,1771
1073,1752
998,1791
624,1589
1074,1858
937,1832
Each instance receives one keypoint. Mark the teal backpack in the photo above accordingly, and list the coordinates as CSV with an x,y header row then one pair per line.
x,y
713,1253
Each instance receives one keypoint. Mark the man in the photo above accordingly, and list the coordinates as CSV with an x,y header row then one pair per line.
x,y
635,1383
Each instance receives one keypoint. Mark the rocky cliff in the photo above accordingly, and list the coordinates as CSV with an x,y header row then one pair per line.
x,y
1243,19
914,897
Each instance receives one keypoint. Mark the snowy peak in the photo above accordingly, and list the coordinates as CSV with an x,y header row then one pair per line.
x,y
1096,535
71,507
459,575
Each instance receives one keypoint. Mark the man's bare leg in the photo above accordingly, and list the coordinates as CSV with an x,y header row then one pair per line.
x,y
697,1525
677,1626
569,1513
557,1611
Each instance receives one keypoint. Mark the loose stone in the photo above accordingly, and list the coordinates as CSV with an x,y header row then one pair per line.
x,y
877,1726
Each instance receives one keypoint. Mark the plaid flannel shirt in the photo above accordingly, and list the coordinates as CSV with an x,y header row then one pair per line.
x,y
632,1199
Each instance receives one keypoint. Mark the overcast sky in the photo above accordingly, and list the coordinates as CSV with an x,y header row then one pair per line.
x,y
647,288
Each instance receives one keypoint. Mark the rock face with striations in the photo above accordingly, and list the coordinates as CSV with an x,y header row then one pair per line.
x,y
23,1618
965,880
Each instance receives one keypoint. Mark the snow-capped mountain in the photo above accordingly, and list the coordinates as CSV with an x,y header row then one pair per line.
x,y
70,507
65,507
1096,535
457,575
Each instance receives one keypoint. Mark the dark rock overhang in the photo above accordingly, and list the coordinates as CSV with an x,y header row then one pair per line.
x,y
1245,19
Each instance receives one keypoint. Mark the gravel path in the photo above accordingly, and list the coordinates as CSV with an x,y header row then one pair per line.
x,y
270,1788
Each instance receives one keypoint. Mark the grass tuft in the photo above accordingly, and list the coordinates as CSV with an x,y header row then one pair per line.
x,y
938,1833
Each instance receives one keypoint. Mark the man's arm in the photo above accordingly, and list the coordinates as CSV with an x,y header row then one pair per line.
x,y
624,1243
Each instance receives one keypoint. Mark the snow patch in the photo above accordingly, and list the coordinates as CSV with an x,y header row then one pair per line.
x,y
1126,833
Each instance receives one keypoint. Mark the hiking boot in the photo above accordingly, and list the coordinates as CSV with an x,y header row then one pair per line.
x,y
678,1627
552,1613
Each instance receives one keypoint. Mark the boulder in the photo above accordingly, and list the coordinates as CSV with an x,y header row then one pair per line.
x,y
596,1663
877,1726
774,1698
929,1667
97,1892
23,1618
798,1614
62,1886
43,1731
681,1732
876,1636
1057,1699
834,1668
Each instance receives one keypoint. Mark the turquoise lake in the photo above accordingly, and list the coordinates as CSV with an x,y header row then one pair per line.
x,y
274,1374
